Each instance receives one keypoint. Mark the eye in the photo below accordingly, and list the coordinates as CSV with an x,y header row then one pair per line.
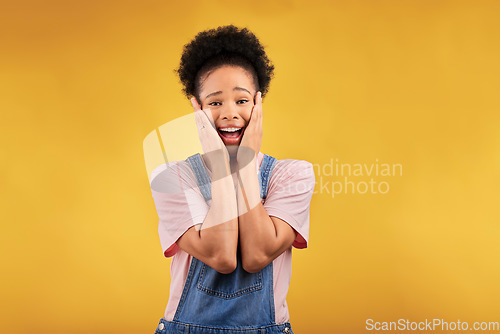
x,y
242,101
214,104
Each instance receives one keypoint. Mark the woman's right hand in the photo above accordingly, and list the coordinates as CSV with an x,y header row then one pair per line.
x,y
215,153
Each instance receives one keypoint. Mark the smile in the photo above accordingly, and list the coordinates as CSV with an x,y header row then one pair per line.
x,y
231,135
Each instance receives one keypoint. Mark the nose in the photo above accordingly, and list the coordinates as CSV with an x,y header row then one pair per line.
x,y
229,112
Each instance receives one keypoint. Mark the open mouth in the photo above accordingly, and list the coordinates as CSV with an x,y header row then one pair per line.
x,y
231,135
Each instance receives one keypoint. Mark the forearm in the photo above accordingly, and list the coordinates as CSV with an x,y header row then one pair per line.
x,y
219,230
257,233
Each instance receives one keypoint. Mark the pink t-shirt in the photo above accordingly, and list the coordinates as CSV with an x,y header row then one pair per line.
x,y
180,205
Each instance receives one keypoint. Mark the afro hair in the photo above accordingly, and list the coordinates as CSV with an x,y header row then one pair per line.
x,y
225,45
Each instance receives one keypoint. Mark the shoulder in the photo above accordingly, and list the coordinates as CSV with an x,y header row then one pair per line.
x,y
171,167
292,175
294,168
170,174
295,164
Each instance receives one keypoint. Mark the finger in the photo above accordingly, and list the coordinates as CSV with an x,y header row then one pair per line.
x,y
259,105
256,109
195,104
208,115
200,120
251,120
258,101
203,120
261,108
206,111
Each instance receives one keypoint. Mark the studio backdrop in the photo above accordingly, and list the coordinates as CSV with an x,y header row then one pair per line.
x,y
395,103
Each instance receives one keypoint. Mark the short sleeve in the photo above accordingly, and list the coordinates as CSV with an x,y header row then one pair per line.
x,y
289,196
179,203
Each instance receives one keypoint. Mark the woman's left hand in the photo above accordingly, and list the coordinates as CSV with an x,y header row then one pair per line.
x,y
252,137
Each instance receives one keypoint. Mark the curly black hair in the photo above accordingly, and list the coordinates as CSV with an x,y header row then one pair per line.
x,y
225,45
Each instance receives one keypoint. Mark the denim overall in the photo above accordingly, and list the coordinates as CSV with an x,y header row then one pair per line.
x,y
215,303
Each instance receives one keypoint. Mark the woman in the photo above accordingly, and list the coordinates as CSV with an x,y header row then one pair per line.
x,y
230,216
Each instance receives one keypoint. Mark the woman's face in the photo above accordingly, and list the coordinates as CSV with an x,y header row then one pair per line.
x,y
229,92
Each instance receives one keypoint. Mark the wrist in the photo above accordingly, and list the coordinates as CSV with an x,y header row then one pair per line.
x,y
248,194
245,155
218,163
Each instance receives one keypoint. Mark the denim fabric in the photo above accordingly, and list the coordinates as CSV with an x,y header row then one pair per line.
x,y
215,303
265,170
173,327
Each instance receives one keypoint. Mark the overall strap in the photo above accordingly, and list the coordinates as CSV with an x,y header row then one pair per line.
x,y
266,168
201,175
203,179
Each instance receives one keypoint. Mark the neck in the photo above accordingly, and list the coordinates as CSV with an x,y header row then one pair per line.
x,y
233,151
233,162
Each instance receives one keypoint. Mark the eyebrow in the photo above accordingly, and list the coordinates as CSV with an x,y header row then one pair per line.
x,y
220,92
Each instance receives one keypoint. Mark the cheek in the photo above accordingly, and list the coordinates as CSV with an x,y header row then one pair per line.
x,y
247,113
215,113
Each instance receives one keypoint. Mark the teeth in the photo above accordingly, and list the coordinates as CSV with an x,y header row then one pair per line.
x,y
230,129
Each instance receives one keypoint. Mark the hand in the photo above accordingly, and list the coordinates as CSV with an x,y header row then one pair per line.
x,y
215,153
252,137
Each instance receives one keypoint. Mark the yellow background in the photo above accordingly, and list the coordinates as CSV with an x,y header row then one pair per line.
x,y
410,82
